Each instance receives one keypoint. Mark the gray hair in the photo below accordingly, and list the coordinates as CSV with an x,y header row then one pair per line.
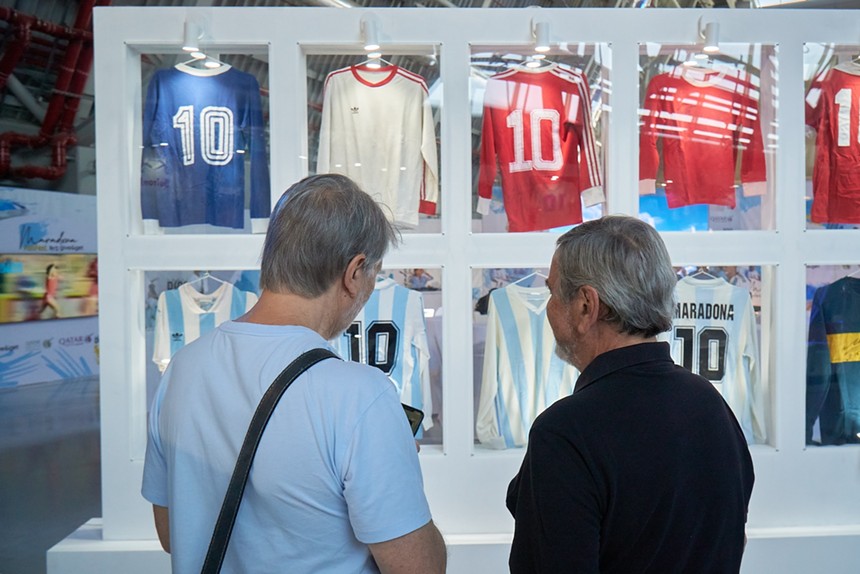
x,y
626,262
318,225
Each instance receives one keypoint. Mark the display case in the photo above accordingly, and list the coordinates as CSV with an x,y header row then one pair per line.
x,y
539,124
831,75
761,247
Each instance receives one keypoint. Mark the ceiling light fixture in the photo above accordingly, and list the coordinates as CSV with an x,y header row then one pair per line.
x,y
191,38
541,33
710,33
370,33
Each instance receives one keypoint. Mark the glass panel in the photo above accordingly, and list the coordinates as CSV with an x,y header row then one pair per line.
x,y
707,137
833,355
715,333
204,144
377,121
398,331
516,371
832,80
539,129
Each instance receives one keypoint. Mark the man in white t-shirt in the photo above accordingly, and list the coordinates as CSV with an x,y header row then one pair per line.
x,y
335,485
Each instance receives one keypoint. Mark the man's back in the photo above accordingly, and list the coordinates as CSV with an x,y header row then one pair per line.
x,y
657,480
313,501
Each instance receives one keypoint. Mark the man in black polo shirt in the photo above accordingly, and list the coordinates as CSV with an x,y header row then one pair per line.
x,y
644,468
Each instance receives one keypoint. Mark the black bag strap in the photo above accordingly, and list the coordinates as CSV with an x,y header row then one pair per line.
x,y
233,497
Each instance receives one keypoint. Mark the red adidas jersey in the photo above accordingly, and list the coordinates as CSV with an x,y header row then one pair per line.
x,y
704,118
833,110
537,123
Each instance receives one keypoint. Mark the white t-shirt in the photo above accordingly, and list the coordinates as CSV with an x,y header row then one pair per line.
x,y
336,468
377,128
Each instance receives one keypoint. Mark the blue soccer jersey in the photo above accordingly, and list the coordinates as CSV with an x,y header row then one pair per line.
x,y
833,363
389,333
522,374
198,128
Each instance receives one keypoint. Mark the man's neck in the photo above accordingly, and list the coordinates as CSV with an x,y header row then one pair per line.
x,y
319,314
606,338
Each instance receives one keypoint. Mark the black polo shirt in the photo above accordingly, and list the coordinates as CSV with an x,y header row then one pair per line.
x,y
643,469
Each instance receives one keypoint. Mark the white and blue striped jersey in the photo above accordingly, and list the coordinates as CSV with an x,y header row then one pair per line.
x,y
522,374
184,314
389,333
714,335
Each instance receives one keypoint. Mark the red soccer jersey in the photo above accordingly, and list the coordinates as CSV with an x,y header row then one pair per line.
x,y
704,118
538,124
833,110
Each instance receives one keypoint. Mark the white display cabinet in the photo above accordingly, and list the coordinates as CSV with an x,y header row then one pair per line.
x,y
805,512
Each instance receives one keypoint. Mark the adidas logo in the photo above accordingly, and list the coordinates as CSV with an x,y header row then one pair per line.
x,y
176,336
354,109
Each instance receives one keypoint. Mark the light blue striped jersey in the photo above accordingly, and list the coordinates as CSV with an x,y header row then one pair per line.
x,y
522,374
183,314
389,333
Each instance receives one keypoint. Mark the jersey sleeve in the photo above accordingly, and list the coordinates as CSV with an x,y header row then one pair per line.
x,y
324,152
161,351
649,158
754,384
430,182
382,481
590,178
750,142
261,196
818,119
487,423
818,368
487,170
151,171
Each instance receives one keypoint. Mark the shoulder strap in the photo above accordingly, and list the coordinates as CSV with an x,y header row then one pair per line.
x,y
233,497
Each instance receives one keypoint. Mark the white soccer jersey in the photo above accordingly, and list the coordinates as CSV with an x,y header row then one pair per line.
x,y
183,314
522,374
714,335
389,334
377,128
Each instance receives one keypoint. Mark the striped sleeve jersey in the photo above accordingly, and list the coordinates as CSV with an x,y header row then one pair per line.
x,y
833,363
389,333
537,126
378,129
714,335
184,314
522,374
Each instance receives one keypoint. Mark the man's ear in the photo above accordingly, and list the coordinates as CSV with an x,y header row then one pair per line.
x,y
586,308
355,271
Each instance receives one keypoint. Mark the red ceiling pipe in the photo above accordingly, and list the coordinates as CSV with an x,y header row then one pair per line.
x,y
14,52
15,18
67,69
59,162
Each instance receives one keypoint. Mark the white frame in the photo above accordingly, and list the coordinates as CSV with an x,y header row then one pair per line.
x,y
798,491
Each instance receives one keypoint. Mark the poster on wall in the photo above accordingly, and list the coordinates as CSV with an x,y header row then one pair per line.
x,y
48,286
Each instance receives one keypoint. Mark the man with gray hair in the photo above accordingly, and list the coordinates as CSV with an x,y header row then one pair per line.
x,y
335,485
644,468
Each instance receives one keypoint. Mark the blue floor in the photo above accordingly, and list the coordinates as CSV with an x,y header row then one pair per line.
x,y
50,479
